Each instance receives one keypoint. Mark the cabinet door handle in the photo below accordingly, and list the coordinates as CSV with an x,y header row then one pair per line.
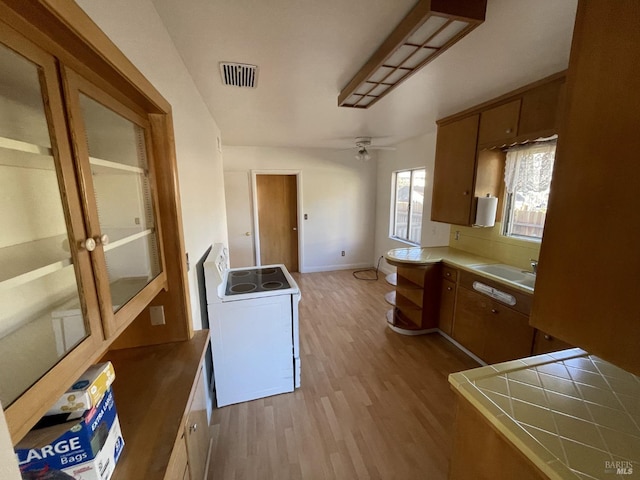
x,y
493,310
193,428
548,337
89,244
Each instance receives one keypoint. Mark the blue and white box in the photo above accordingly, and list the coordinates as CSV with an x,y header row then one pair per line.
x,y
86,448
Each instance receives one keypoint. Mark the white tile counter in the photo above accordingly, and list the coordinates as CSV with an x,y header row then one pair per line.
x,y
572,414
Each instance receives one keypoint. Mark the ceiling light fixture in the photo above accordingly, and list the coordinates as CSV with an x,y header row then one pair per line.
x,y
363,154
430,28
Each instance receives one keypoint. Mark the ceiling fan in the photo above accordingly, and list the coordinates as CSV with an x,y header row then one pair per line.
x,y
363,144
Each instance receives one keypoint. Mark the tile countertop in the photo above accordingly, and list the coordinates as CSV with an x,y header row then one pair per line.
x,y
451,256
572,414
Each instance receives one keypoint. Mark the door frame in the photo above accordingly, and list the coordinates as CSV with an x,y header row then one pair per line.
x,y
300,216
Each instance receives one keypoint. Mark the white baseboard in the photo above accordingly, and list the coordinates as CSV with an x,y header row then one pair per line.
x,y
331,268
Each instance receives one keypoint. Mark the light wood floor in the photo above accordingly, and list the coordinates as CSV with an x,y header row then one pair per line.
x,y
373,404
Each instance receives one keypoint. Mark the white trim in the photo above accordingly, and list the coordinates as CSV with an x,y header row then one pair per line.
x,y
256,226
331,268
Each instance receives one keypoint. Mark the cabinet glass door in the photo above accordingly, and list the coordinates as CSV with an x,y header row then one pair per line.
x,y
42,317
113,155
120,175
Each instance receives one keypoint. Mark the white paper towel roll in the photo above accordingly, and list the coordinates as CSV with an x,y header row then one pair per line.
x,y
486,211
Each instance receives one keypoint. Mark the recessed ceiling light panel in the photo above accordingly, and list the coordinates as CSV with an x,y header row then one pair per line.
x,y
430,28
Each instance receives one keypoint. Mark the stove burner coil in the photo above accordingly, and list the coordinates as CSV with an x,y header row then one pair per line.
x,y
272,285
243,287
267,271
240,273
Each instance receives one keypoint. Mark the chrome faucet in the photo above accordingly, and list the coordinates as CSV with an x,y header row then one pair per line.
x,y
534,266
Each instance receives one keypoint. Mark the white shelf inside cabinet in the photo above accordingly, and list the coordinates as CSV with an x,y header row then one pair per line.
x,y
392,279
116,240
14,153
28,261
100,166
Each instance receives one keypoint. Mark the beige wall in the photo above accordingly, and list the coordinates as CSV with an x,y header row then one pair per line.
x,y
338,195
413,153
488,242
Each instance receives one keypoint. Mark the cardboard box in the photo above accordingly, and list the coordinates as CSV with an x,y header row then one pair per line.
x,y
87,391
83,449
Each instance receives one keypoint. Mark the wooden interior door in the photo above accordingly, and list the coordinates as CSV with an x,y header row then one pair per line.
x,y
277,200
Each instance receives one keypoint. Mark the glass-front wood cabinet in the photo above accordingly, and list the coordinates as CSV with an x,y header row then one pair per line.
x,y
80,248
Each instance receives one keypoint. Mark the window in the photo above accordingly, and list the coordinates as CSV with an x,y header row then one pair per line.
x,y
527,180
407,202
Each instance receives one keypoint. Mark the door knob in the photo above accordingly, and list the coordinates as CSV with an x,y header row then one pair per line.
x,y
89,244
295,228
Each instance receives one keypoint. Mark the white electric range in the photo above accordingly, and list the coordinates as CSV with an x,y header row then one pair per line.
x,y
253,317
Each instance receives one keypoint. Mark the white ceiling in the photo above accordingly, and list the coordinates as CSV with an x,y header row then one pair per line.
x,y
307,50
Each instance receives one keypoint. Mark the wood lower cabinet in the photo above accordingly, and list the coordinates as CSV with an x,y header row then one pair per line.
x,y
490,329
545,343
197,435
160,399
416,298
447,299
481,453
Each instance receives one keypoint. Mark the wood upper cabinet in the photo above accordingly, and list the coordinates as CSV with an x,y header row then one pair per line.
x,y
499,124
82,251
469,162
454,171
588,281
540,109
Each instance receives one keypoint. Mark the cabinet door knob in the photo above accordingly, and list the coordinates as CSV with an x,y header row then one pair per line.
x,y
448,274
449,288
466,192
193,428
493,310
548,337
508,130
89,244
104,239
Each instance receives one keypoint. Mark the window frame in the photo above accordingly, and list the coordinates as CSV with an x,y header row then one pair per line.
x,y
509,201
394,204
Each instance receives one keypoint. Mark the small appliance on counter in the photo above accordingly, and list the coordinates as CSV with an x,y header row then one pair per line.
x,y
253,318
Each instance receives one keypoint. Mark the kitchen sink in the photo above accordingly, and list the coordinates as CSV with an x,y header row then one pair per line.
x,y
509,273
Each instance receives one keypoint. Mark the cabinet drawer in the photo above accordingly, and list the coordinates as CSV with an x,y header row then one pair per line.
x,y
500,123
523,300
449,273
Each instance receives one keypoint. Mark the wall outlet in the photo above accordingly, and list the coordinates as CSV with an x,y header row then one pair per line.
x,y
157,315
457,237
343,253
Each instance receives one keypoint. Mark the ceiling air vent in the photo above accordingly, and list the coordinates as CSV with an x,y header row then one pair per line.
x,y
239,74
